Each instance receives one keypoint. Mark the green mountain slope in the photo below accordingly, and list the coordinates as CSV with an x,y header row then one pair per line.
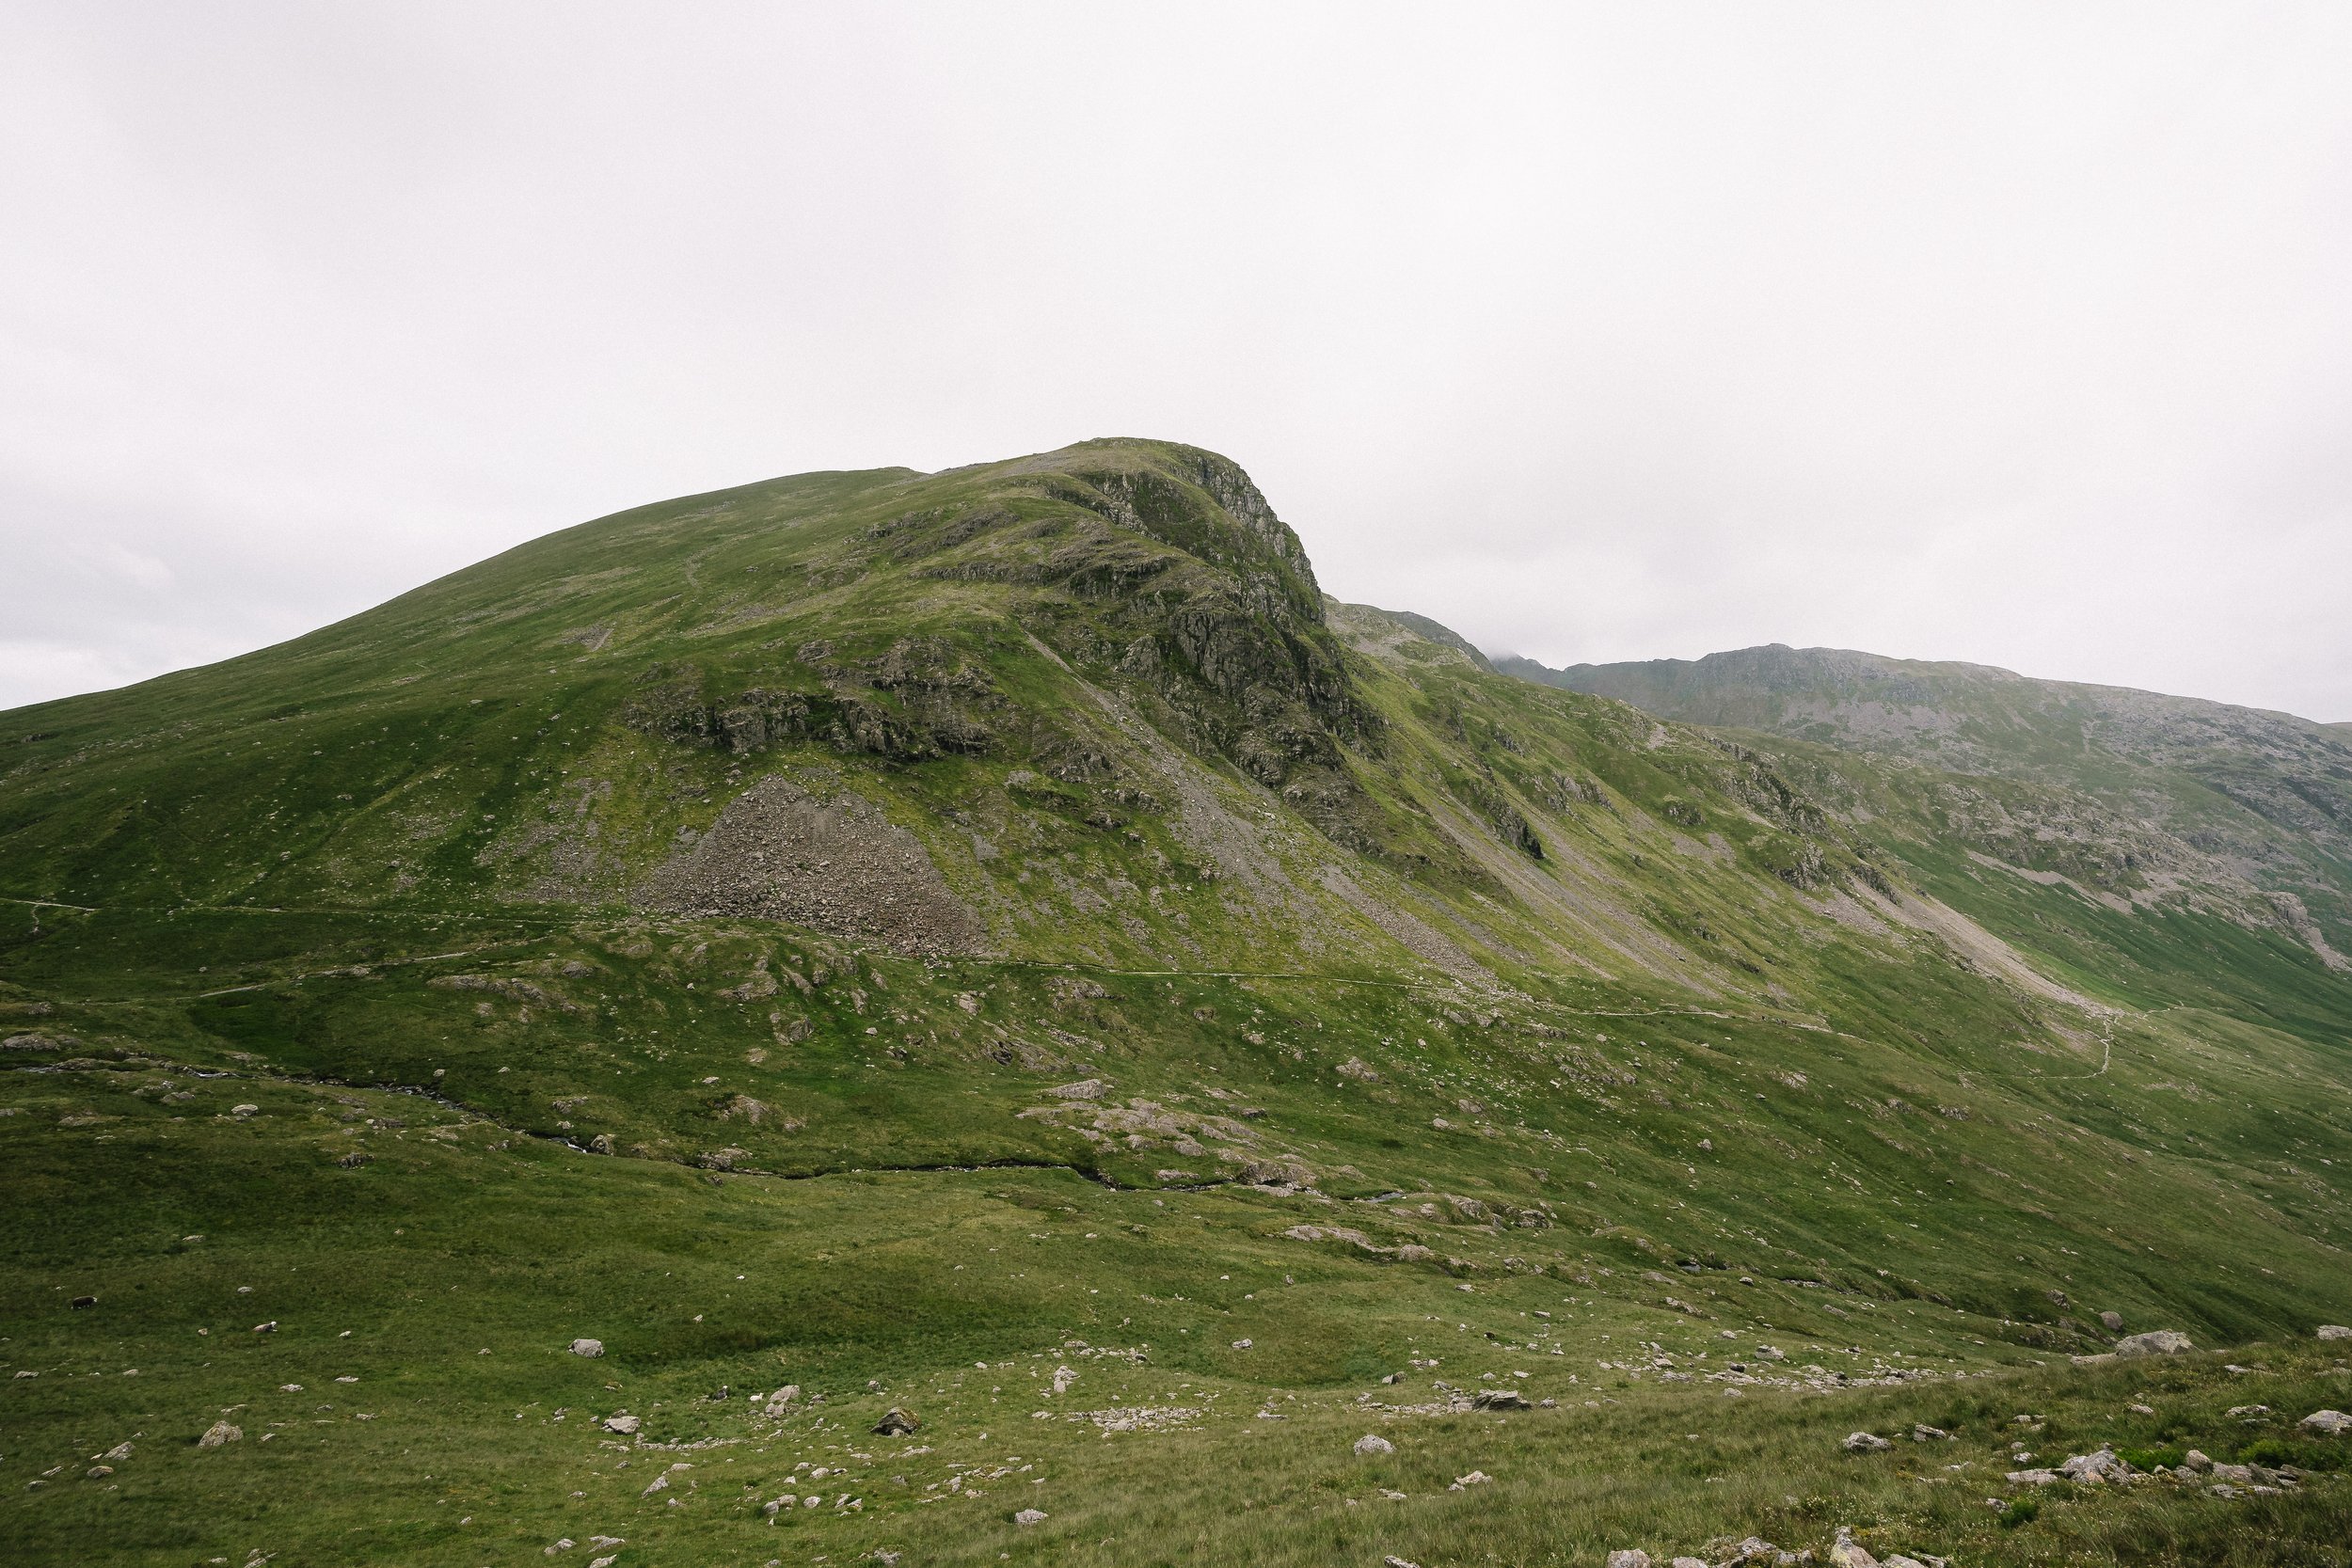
x,y
910,937
2133,805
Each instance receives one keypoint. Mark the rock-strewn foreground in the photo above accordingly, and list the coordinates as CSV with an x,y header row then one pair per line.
x,y
980,1016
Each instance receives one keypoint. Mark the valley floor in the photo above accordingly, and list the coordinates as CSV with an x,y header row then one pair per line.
x,y
1166,1377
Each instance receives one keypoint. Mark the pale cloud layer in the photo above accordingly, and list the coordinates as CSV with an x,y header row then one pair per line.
x,y
2018,335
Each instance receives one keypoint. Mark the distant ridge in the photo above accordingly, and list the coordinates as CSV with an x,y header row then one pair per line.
x,y
2232,791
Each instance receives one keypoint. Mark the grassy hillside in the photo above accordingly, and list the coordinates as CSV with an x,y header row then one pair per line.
x,y
2138,801
924,939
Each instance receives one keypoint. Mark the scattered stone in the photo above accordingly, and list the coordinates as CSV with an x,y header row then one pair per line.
x,y
2161,1342
2195,1460
1632,1556
2143,1409
2334,1331
587,1347
219,1433
898,1423
2034,1478
1085,1088
1372,1443
1241,1344
244,1110
84,1301
1463,1483
1399,1563
627,1426
2248,1412
269,1327
2095,1468
1924,1434
1499,1399
1866,1442
1028,1516
117,1454
2113,1322
781,1400
2327,1423
1846,1552
1691,1562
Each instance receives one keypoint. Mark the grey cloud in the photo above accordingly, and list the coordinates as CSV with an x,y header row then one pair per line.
x,y
2007,334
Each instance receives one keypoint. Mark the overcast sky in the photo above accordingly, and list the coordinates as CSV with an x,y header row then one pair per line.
x,y
2018,335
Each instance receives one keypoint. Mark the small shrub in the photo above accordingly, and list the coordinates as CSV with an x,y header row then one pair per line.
x,y
2024,1510
2148,1459
2275,1451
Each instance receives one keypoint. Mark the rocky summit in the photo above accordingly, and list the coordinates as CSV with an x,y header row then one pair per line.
x,y
982,1017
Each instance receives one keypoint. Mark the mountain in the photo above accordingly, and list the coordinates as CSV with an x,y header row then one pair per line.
x,y
1004,945
2136,804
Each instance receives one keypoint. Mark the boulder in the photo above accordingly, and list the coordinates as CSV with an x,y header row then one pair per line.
x,y
1372,1443
1846,1552
1028,1516
2113,1322
1631,1556
587,1347
628,1426
2095,1468
1925,1434
2034,1478
781,1400
2334,1331
2327,1423
218,1433
2195,1460
2160,1342
897,1423
1499,1399
1865,1441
